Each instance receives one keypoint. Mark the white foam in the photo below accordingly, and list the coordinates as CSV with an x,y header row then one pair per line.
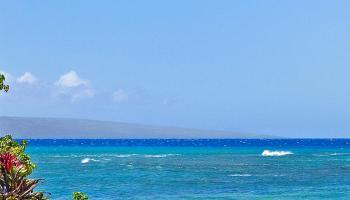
x,y
240,175
85,160
276,153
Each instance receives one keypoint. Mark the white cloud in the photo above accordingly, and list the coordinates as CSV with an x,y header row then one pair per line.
x,y
120,96
27,78
71,80
70,85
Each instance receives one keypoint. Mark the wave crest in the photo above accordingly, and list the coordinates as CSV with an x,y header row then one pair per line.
x,y
86,160
276,153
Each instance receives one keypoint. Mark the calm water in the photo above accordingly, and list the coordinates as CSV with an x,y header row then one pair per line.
x,y
194,169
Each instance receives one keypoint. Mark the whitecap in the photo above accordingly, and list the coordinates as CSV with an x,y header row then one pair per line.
x,y
240,175
276,153
85,160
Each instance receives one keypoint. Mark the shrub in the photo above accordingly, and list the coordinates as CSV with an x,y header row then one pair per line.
x,y
2,85
15,168
79,196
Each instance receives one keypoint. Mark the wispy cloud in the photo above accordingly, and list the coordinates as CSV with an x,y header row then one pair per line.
x,y
27,78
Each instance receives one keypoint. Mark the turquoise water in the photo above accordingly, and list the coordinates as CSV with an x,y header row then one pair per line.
x,y
190,172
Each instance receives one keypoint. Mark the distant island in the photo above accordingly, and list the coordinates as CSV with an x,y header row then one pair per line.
x,y
66,128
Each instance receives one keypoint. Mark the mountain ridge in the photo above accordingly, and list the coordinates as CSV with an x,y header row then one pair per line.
x,y
70,128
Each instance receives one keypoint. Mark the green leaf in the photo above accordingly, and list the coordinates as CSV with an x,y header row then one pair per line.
x,y
79,196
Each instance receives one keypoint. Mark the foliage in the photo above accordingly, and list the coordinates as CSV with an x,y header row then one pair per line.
x,y
2,85
79,196
15,167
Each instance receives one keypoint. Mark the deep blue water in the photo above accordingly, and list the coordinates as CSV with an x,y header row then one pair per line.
x,y
194,169
195,142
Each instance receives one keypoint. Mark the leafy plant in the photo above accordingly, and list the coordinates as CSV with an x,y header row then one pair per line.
x,y
15,167
79,196
2,85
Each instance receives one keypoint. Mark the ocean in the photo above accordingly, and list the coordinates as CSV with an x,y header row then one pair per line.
x,y
194,169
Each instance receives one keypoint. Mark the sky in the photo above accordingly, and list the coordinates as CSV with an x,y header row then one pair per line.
x,y
266,67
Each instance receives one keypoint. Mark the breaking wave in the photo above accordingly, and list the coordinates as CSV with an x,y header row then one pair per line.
x,y
276,153
87,160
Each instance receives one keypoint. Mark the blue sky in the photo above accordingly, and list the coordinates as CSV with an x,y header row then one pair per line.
x,y
269,67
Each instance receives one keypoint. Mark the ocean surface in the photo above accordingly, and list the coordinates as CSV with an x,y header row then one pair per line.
x,y
194,169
